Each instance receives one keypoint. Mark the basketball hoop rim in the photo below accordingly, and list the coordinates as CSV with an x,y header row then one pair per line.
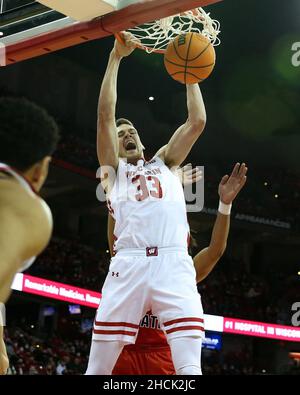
x,y
196,12
119,38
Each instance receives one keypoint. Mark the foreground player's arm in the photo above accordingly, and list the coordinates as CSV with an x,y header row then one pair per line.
x,y
25,230
229,188
107,139
4,364
185,137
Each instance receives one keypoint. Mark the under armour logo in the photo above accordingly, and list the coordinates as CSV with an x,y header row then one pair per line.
x,y
115,274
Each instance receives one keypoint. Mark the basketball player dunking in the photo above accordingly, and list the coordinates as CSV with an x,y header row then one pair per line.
x,y
151,268
151,354
28,137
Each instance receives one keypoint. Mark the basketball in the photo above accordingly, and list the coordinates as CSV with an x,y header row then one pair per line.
x,y
190,58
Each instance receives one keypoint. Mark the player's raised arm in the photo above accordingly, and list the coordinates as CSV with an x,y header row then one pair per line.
x,y
186,135
107,139
229,188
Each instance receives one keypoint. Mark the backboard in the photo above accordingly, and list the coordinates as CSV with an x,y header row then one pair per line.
x,y
31,29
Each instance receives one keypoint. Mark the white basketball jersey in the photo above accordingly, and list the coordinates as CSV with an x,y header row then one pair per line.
x,y
148,204
25,184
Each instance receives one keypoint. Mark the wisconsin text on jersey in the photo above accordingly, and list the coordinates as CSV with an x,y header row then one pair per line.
x,y
152,172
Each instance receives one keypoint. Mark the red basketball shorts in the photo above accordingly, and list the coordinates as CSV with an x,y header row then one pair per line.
x,y
156,361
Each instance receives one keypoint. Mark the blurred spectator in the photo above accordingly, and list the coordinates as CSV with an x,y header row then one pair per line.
x,y
73,263
227,293
262,186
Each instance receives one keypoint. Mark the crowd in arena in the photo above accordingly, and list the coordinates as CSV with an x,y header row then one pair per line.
x,y
265,298
231,293
244,291
270,194
227,293
71,262
30,355
33,355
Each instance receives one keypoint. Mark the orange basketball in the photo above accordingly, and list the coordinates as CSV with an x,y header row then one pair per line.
x,y
190,58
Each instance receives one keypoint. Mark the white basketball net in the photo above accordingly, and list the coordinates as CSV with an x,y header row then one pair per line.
x,y
155,36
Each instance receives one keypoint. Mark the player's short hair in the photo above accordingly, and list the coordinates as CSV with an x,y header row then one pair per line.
x,y
123,121
27,133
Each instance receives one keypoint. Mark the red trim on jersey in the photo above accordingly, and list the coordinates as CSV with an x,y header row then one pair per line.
x,y
110,209
100,323
185,328
114,245
194,319
4,170
108,332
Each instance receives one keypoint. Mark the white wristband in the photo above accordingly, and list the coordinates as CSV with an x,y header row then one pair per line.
x,y
224,209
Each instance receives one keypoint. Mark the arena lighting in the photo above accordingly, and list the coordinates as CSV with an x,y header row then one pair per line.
x,y
69,293
294,355
151,98
265,184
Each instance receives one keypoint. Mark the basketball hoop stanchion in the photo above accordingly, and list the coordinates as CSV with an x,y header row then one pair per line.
x,y
155,36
